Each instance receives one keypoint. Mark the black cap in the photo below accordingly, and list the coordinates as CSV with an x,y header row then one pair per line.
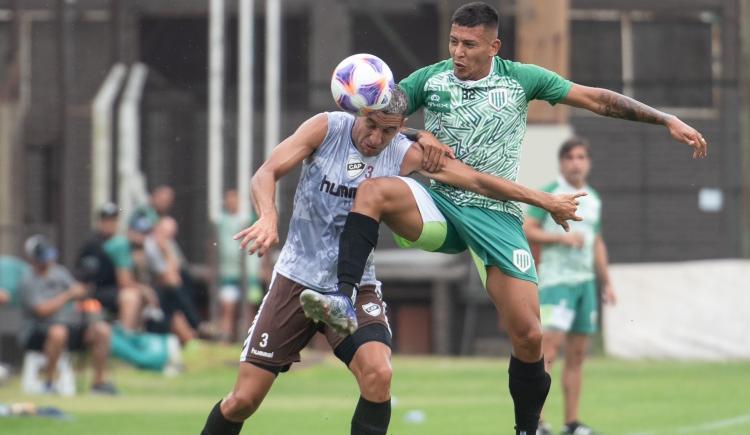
x,y
108,210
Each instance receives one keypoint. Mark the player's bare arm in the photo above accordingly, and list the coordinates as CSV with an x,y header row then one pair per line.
x,y
289,154
535,234
609,103
601,264
561,207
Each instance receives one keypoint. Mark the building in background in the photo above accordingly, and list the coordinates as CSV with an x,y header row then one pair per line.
x,y
680,55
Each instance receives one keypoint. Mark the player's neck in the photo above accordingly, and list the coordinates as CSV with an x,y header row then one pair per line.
x,y
576,184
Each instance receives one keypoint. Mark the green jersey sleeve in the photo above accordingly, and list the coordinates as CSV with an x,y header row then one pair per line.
x,y
413,85
118,250
538,213
542,84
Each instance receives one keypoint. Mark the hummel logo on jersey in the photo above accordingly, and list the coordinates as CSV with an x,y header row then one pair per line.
x,y
340,190
255,351
372,309
354,167
522,260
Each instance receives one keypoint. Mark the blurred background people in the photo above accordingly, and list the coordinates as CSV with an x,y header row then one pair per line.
x,y
53,323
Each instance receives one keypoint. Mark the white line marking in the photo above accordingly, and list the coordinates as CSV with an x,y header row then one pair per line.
x,y
703,427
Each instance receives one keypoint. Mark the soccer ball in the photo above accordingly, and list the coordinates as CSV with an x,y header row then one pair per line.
x,y
362,83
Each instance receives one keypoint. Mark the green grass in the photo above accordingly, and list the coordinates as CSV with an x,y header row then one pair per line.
x,y
457,396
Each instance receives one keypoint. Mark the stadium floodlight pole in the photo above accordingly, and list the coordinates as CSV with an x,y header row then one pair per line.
x,y
273,78
101,137
215,108
245,163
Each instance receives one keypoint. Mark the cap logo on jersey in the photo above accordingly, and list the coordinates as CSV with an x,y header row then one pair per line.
x,y
522,260
497,98
354,167
372,309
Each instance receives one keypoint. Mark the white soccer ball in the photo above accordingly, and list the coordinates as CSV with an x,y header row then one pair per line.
x,y
362,83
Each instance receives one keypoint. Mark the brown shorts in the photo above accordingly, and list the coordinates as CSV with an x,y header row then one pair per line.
x,y
281,330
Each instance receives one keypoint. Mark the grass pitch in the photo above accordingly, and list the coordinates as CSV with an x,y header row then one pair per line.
x,y
435,396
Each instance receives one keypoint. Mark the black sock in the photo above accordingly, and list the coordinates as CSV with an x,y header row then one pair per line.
x,y
529,385
371,418
217,424
359,238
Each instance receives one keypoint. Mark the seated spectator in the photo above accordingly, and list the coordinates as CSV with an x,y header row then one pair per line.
x,y
166,263
52,322
105,262
160,202
11,272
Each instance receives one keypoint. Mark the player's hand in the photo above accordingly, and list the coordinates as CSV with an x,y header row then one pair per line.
x,y
609,296
434,152
78,291
263,233
574,240
686,134
563,207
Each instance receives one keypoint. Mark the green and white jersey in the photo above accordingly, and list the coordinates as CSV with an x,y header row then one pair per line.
x,y
484,121
567,265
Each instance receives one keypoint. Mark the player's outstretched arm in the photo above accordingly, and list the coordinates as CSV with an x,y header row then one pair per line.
x,y
561,207
609,103
285,157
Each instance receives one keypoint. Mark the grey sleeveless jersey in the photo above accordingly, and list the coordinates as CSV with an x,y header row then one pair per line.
x,y
324,196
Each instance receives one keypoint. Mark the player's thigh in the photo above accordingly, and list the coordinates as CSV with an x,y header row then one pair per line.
x,y
427,229
397,206
280,329
516,300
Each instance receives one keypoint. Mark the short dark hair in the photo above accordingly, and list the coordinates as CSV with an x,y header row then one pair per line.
x,y
570,144
477,14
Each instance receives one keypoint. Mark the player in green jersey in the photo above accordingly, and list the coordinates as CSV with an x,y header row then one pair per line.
x,y
476,103
571,264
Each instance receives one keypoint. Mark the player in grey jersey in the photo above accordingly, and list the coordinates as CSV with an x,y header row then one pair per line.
x,y
337,152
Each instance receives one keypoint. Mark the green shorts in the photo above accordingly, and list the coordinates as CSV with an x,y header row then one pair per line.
x,y
494,238
569,308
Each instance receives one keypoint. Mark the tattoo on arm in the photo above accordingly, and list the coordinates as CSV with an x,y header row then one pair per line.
x,y
616,105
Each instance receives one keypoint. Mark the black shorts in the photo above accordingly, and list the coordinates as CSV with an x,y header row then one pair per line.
x,y
109,298
76,335
281,330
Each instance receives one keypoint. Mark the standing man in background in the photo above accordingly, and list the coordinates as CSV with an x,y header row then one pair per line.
x,y
230,267
571,264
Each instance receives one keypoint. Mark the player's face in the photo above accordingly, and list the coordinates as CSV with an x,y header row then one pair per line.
x,y
108,226
472,50
575,166
372,133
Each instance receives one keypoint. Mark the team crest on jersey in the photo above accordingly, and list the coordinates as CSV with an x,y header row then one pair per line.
x,y
354,167
522,260
498,98
372,309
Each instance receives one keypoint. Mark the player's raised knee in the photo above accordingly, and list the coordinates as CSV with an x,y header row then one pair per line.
x,y
370,193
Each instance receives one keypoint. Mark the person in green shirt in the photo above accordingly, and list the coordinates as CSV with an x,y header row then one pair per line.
x,y
570,265
11,272
476,103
